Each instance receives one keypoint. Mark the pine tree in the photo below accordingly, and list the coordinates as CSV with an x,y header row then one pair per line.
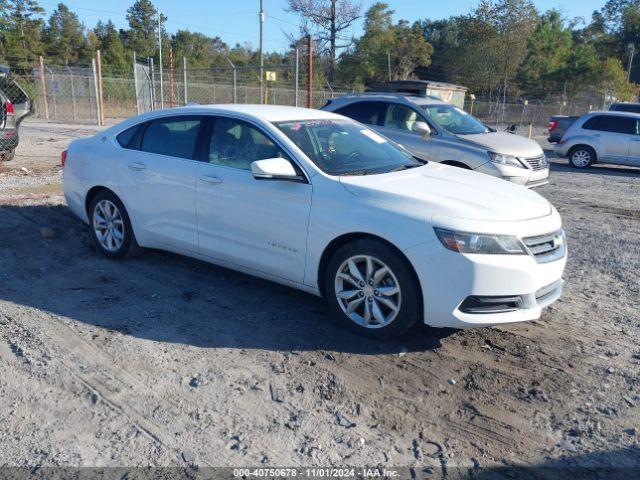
x,y
114,56
64,37
20,31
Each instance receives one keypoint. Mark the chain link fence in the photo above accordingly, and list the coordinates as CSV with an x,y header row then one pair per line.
x,y
84,95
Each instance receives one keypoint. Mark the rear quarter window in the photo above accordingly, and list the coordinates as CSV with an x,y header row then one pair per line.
x,y
128,138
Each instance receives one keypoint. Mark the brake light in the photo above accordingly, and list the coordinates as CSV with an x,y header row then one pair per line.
x,y
9,107
552,125
63,158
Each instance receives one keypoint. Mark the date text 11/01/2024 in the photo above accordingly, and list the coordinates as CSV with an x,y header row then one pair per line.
x,y
316,473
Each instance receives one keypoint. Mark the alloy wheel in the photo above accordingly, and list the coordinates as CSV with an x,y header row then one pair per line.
x,y
108,225
581,158
368,291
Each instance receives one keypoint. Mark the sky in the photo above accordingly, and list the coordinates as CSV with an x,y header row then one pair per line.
x,y
237,21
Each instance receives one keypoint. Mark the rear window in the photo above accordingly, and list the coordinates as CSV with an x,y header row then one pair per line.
x,y
369,113
127,139
13,91
612,123
172,136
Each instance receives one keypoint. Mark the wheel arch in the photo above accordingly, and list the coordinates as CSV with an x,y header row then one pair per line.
x,y
91,194
577,145
346,238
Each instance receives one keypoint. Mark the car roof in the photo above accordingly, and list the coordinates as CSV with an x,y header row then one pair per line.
x,y
269,113
391,96
615,113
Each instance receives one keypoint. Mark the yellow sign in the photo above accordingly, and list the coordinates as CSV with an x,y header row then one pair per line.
x,y
270,76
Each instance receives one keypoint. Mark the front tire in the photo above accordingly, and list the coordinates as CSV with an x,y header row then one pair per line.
x,y
110,227
371,289
582,157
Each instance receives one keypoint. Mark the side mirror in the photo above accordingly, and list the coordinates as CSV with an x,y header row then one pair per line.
x,y
422,128
274,169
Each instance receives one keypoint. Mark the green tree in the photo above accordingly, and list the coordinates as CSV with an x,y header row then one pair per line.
x,y
115,59
548,50
385,49
200,50
64,37
143,24
20,28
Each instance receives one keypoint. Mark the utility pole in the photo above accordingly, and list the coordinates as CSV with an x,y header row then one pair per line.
x,y
632,50
261,15
389,63
160,58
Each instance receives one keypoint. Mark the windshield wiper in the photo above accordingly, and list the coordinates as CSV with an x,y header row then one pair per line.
x,y
353,173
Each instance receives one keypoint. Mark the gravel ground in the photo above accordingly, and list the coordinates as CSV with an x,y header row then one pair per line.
x,y
167,361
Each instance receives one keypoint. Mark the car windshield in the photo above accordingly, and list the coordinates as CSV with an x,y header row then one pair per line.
x,y
343,147
454,120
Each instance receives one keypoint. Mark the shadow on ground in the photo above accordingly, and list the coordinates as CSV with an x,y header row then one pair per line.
x,y
164,297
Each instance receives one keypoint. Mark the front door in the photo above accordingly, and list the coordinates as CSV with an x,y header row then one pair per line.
x,y
258,224
398,125
157,182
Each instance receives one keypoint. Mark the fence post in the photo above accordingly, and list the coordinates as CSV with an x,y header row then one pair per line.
x,y
135,83
184,78
73,95
297,76
53,97
100,99
95,87
310,74
235,81
153,84
43,85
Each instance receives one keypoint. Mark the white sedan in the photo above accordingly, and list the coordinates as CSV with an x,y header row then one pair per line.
x,y
324,204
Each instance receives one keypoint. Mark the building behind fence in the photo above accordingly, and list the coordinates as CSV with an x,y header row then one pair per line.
x,y
83,95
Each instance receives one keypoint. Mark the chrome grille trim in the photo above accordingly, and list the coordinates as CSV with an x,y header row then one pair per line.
x,y
537,163
548,247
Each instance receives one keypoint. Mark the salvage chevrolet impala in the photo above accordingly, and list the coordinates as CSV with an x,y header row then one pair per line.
x,y
324,204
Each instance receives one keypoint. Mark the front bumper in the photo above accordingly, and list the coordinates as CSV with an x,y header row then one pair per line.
x,y
448,279
522,176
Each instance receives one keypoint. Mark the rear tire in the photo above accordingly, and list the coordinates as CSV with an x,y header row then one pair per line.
x,y
371,289
110,227
582,156
7,156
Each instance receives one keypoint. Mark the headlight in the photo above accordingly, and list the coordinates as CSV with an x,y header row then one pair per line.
x,y
465,242
503,159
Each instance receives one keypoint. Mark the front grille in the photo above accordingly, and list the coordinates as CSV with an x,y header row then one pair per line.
x,y
546,248
537,163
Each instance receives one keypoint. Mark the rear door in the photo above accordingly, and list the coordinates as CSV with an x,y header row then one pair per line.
x,y
634,147
156,173
613,134
258,224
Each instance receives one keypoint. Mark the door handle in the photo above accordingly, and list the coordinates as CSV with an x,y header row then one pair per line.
x,y
137,166
210,179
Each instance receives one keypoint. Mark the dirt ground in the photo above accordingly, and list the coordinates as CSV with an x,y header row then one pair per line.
x,y
166,361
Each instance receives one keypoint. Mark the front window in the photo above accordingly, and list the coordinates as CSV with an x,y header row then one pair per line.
x,y
454,120
342,147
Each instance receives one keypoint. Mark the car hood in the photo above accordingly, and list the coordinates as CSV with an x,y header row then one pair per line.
x,y
449,191
506,143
